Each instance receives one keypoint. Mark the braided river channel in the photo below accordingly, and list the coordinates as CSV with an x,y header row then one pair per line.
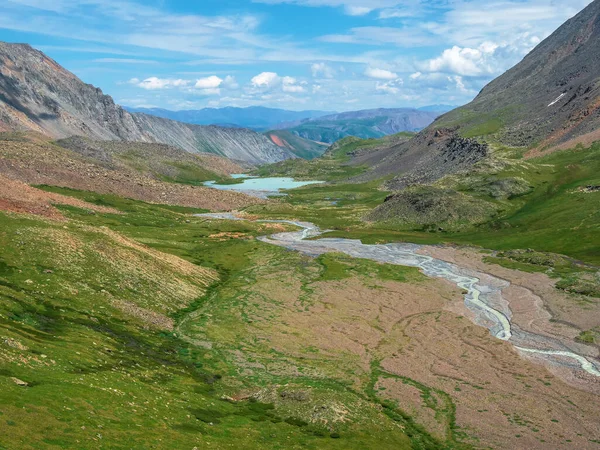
x,y
484,299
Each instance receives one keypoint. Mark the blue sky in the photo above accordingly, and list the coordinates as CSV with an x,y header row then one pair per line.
x,y
294,54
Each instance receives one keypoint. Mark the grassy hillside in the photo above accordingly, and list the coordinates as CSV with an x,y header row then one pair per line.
x,y
148,172
143,329
336,164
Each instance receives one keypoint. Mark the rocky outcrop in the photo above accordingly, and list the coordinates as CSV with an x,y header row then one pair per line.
x,y
429,208
38,94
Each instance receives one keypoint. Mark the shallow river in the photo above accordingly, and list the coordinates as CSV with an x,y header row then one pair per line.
x,y
483,299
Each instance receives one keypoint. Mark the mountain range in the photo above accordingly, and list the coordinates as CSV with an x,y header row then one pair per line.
x,y
254,117
366,124
37,94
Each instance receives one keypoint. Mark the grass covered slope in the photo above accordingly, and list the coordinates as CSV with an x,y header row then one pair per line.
x,y
145,329
343,161
548,204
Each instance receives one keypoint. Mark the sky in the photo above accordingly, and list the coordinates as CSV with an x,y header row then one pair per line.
x,y
295,54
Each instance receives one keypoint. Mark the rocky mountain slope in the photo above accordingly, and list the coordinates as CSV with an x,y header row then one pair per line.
x,y
39,95
254,117
551,100
372,123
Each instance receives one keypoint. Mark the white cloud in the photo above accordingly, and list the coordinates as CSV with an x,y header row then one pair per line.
x,y
390,87
230,82
380,74
154,83
291,85
211,82
322,70
463,61
351,7
265,80
358,10
488,59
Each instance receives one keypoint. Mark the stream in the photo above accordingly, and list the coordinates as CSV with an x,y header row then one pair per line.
x,y
483,299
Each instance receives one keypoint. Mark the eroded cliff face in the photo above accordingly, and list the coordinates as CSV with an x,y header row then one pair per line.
x,y
38,94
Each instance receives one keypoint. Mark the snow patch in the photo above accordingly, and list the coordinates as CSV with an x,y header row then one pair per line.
x,y
557,99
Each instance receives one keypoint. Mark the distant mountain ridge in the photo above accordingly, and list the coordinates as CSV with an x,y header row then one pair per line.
x,y
370,123
255,117
37,94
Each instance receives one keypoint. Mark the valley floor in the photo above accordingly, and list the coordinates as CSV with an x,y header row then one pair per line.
x,y
133,325
136,324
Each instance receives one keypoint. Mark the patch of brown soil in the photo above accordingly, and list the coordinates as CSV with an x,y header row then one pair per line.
x,y
550,144
586,140
502,400
420,332
18,197
278,141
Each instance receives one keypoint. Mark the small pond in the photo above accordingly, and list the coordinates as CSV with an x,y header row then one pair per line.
x,y
260,187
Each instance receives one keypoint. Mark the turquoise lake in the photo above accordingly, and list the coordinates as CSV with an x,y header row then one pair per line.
x,y
261,187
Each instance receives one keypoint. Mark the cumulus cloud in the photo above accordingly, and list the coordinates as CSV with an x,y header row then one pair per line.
x,y
154,83
265,80
380,74
463,61
488,59
211,82
268,81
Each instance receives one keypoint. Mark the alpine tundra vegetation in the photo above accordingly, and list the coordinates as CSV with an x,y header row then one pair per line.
x,y
433,282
